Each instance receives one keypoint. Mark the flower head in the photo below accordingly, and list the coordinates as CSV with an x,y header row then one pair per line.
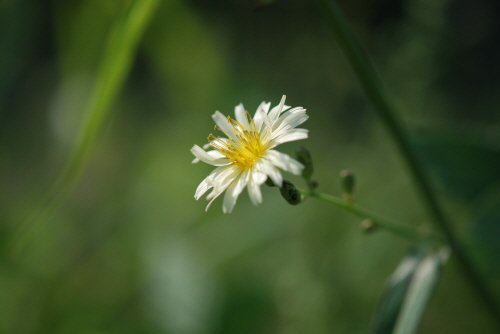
x,y
245,157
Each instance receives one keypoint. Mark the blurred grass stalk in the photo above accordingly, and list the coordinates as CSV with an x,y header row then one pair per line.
x,y
116,62
374,89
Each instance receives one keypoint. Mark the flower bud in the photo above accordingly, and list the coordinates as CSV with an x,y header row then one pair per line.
x,y
347,183
368,225
304,157
290,193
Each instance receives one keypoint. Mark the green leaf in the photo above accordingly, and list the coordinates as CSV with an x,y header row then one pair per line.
x,y
484,245
407,291
465,165
395,292
422,284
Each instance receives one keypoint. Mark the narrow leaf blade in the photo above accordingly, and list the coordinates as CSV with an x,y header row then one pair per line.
x,y
420,290
395,292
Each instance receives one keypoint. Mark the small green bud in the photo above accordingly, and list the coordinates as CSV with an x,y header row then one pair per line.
x,y
304,157
347,183
290,193
368,225
270,183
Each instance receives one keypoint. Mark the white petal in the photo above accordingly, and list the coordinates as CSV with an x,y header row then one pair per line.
x,y
223,123
265,106
267,128
258,115
242,182
292,120
287,114
283,161
234,190
224,179
280,119
202,188
207,158
215,154
221,175
208,182
266,167
265,133
258,176
288,136
254,190
241,117
229,199
276,111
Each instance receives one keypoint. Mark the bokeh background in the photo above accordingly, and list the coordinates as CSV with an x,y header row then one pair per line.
x,y
131,251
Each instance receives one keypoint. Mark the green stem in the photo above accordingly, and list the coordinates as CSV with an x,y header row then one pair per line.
x,y
379,221
379,97
114,66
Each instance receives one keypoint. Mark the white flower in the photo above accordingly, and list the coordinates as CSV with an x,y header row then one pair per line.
x,y
246,158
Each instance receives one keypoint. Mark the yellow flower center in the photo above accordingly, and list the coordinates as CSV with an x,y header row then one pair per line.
x,y
243,152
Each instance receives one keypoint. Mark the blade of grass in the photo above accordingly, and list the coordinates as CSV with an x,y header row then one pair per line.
x,y
374,89
114,67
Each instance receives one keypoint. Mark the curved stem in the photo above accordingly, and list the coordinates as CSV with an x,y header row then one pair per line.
x,y
385,110
379,221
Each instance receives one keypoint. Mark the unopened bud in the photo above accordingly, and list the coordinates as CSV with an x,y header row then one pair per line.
x,y
368,225
290,193
304,157
347,183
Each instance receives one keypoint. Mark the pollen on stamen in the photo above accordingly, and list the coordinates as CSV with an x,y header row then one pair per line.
x,y
244,151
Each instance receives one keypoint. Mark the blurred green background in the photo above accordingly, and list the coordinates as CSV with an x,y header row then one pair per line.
x,y
131,251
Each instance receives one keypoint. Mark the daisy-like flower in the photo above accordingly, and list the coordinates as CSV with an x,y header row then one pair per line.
x,y
246,156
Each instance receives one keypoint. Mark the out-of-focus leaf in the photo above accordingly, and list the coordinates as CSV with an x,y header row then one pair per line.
x,y
395,292
467,165
407,291
422,284
485,232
